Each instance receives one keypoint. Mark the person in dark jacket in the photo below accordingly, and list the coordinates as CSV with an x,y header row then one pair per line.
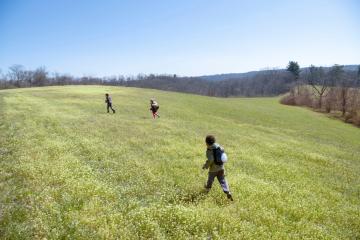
x,y
215,169
108,101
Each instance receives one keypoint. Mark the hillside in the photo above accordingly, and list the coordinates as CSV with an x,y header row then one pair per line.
x,y
252,74
68,170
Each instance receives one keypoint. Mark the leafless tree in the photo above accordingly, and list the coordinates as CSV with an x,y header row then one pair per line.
x,y
318,81
40,76
343,83
17,74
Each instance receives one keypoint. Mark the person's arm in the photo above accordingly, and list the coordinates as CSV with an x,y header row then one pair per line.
x,y
207,163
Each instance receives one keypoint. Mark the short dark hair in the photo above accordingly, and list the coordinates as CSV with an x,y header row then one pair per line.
x,y
210,139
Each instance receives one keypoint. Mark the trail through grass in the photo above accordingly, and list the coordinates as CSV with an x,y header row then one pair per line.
x,y
69,170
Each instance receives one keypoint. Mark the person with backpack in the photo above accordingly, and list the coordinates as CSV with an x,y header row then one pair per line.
x,y
108,101
216,157
154,107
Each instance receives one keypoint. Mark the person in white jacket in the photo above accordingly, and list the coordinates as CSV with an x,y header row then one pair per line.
x,y
108,102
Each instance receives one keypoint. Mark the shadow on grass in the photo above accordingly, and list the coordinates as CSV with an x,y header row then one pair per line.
x,y
186,196
195,197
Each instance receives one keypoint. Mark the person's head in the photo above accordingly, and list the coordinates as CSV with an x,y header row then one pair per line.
x,y
106,94
210,140
152,100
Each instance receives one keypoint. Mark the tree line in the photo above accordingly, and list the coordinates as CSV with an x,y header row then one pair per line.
x,y
331,90
270,82
265,83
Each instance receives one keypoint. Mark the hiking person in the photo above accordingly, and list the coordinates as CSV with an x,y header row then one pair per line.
x,y
108,101
216,158
154,107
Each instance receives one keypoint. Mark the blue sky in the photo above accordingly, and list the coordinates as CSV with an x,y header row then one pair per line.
x,y
187,37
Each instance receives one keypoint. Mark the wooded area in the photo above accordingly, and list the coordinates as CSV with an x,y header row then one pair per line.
x,y
333,91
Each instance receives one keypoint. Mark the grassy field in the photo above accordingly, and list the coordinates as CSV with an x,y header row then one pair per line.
x,y
69,170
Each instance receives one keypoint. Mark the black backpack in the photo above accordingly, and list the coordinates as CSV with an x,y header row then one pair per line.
x,y
217,156
155,107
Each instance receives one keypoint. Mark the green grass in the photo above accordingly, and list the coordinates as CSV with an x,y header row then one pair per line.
x,y
68,170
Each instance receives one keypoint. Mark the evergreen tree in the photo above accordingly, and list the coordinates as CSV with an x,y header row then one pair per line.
x,y
294,68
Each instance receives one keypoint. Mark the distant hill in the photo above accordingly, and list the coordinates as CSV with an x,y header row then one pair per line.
x,y
269,82
351,67
239,76
226,76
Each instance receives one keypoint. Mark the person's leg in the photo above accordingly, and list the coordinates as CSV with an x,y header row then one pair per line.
x,y
210,180
153,113
109,106
224,185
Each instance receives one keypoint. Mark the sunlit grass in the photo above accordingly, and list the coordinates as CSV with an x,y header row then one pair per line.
x,y
69,170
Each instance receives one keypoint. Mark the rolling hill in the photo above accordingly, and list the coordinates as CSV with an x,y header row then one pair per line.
x,y
69,170
251,74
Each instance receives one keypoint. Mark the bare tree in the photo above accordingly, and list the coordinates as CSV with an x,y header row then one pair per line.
x,y
40,76
343,83
2,80
17,74
27,80
318,81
